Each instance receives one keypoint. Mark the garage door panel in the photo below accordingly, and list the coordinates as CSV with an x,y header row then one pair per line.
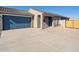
x,y
15,22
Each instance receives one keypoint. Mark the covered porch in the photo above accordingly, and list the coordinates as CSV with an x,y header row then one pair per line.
x,y
52,20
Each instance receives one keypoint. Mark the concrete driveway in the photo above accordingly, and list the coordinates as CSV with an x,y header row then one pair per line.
x,y
36,40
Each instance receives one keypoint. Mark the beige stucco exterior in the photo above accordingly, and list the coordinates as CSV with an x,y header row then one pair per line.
x,y
62,23
45,24
38,18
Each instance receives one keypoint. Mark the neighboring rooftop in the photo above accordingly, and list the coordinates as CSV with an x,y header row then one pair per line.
x,y
74,19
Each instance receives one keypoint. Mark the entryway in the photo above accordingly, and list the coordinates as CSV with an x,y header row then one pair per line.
x,y
50,21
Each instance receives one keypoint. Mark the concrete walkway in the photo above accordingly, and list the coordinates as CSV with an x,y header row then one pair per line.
x,y
37,40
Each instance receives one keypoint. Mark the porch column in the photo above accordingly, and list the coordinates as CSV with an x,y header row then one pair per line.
x,y
41,21
60,21
52,22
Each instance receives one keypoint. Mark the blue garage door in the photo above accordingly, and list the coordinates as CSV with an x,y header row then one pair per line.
x,y
16,22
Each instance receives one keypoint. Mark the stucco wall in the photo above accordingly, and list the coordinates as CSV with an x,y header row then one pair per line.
x,y
0,22
45,24
36,18
57,22
62,23
52,22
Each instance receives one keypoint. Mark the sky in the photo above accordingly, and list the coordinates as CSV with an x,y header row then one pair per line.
x,y
68,11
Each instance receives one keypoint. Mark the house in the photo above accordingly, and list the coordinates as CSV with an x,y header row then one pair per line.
x,y
13,19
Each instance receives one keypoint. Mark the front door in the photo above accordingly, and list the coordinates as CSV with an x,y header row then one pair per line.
x,y
49,21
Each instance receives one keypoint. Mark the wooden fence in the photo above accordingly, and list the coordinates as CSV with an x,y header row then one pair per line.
x,y
72,24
